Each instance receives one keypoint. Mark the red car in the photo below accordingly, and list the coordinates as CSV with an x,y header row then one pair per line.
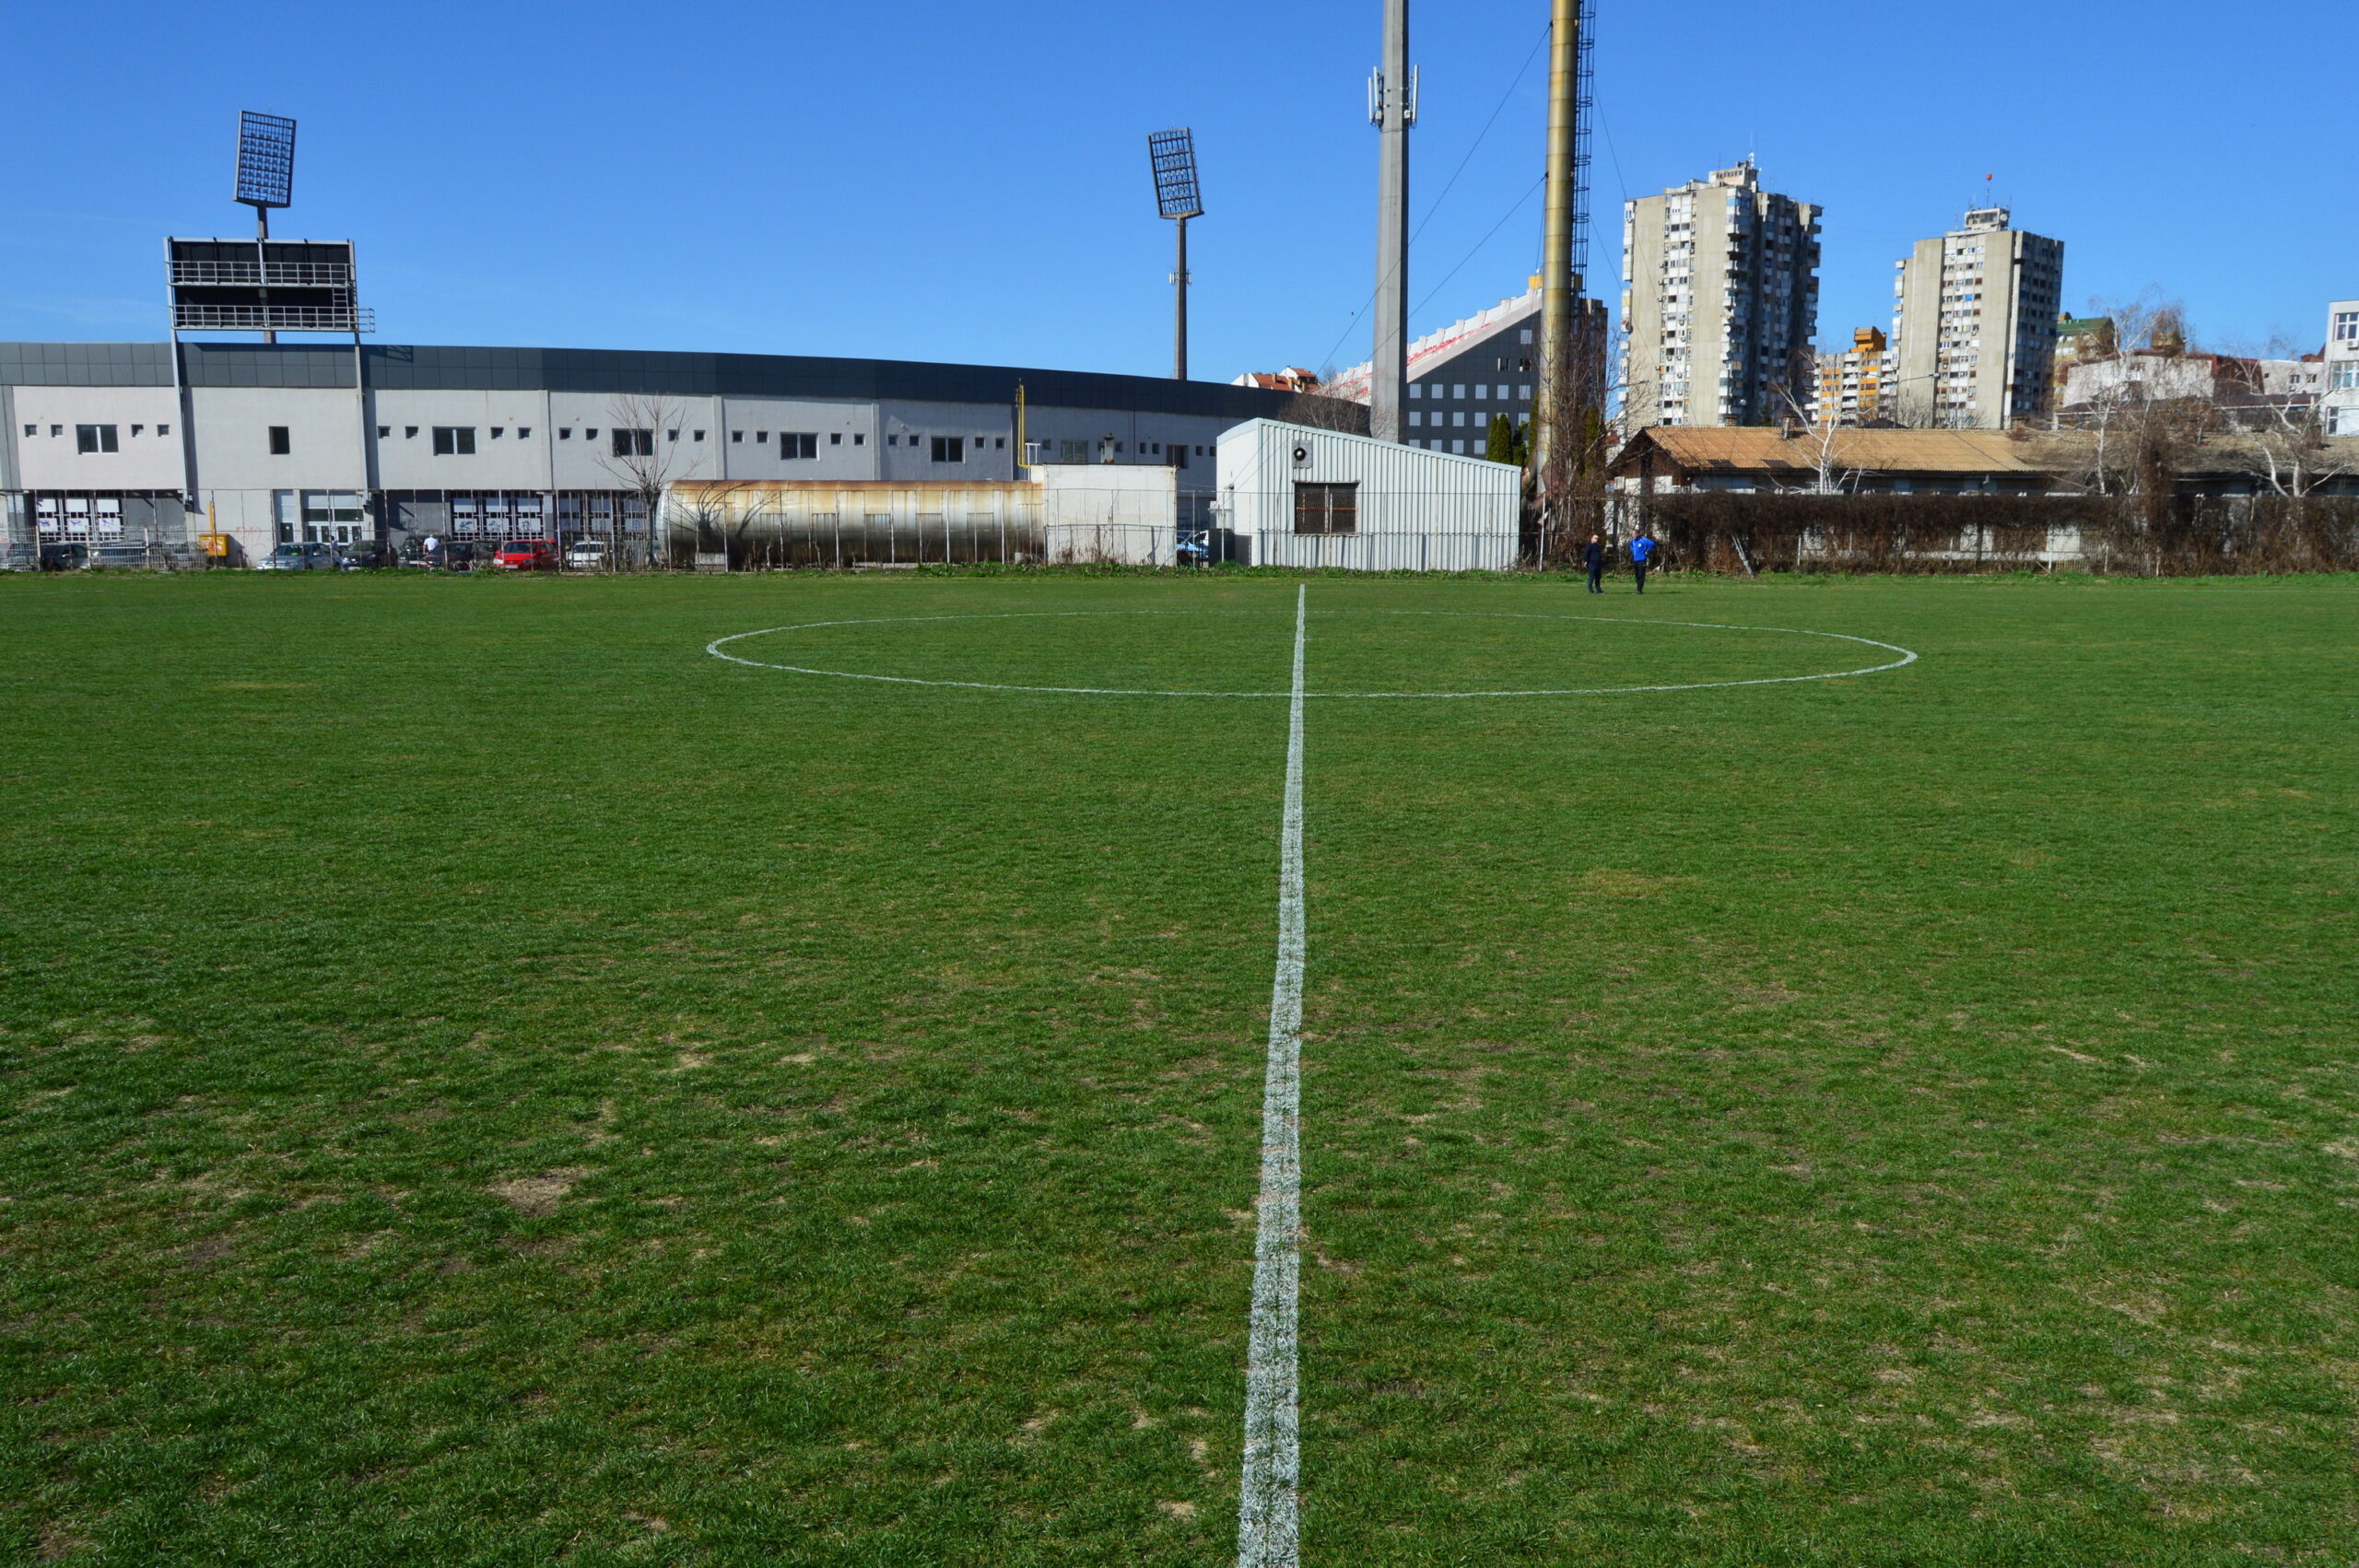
x,y
526,556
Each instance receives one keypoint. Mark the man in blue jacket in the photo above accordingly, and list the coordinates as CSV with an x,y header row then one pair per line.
x,y
1642,556
1594,558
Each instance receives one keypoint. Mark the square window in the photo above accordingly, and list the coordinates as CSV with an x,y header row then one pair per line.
x,y
835,437
32,431
1326,509
999,443
672,435
892,440
737,437
1458,392
280,443
589,435
163,429
761,435
497,431
57,429
565,432
523,432
699,435
860,439
384,432
136,429
409,432
1417,391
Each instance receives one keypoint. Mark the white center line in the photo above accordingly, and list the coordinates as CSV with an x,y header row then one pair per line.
x,y
1268,1518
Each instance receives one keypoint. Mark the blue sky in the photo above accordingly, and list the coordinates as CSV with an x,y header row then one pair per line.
x,y
927,180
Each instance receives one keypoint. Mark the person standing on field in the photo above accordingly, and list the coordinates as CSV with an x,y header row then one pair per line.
x,y
1642,556
1594,556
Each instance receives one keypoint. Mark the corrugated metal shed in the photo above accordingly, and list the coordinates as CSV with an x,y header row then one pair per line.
x,y
1409,510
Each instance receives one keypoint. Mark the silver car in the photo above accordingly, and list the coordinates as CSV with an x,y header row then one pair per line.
x,y
315,557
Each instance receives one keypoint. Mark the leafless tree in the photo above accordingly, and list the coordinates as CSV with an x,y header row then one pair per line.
x,y
642,452
1819,437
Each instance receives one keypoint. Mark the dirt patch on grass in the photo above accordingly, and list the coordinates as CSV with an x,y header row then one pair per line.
x,y
540,1194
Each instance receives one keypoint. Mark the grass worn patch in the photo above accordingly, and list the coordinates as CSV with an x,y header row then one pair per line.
x,y
482,1082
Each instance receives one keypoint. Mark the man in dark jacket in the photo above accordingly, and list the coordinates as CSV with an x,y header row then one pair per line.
x,y
1594,556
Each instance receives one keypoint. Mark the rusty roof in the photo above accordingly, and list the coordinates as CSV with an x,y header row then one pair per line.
x,y
1731,449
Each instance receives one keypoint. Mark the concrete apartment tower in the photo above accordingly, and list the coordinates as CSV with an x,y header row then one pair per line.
x,y
1720,302
1974,325
1851,387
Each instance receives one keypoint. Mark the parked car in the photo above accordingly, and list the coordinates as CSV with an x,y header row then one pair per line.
x,y
586,556
359,558
526,556
310,558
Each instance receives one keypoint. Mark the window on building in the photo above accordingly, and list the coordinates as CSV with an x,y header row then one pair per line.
x,y
590,435
1417,391
670,434
1177,456
454,440
523,432
949,449
280,443
384,432
2346,326
1415,418
497,431
1326,509
57,429
736,438
798,446
999,442
699,436
635,444
101,438
163,429
2346,377
409,432
860,439
565,432
835,437
1458,392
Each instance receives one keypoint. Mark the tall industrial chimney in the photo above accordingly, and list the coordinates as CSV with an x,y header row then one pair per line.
x,y
1559,285
1392,105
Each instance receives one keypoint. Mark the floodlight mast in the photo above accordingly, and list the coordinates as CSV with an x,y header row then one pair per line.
x,y
266,180
1179,195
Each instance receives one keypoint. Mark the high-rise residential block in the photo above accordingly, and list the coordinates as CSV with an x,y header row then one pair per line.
x,y
1851,387
1974,325
2342,368
1720,302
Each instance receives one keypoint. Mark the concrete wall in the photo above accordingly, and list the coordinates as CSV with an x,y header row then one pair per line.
x,y
1106,513
147,437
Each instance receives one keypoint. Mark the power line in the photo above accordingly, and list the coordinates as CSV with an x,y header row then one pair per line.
x,y
1520,201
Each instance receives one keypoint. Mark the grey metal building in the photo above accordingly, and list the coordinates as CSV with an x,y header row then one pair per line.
x,y
131,449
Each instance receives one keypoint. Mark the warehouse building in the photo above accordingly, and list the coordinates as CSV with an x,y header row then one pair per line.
x,y
135,450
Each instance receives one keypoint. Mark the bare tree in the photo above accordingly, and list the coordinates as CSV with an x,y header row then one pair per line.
x,y
643,453
1819,436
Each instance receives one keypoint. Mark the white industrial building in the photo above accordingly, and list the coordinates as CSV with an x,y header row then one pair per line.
x,y
1292,496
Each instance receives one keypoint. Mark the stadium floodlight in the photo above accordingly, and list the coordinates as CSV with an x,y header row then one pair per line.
x,y
1178,196
265,161
1173,153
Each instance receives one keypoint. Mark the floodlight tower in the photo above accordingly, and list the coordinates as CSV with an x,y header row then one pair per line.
x,y
1393,106
266,180
1178,196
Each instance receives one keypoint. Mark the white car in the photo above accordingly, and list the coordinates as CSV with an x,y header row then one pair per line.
x,y
586,556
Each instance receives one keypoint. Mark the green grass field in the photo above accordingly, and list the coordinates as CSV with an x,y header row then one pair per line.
x,y
484,1082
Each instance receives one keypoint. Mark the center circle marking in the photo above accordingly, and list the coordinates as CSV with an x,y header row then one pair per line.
x,y
716,646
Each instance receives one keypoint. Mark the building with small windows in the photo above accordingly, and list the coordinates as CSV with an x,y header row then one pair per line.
x,y
2342,368
1720,303
1471,371
1975,324
1851,387
136,451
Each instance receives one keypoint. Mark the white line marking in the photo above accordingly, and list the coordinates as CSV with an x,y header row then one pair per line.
x,y
1907,656
1268,1517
